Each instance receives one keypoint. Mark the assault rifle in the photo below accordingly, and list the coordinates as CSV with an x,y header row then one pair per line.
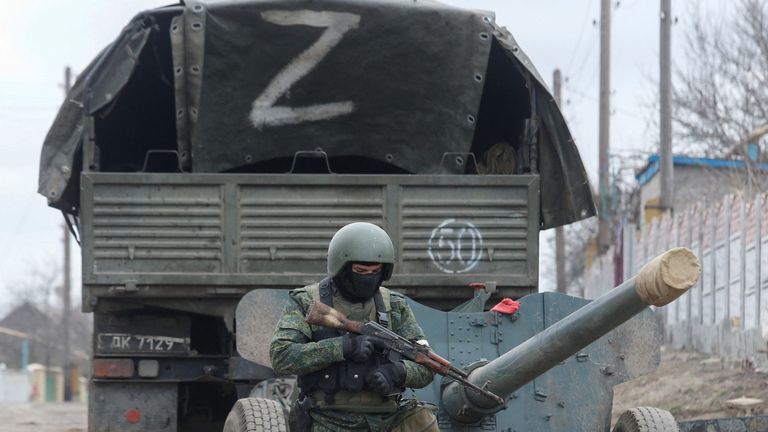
x,y
323,315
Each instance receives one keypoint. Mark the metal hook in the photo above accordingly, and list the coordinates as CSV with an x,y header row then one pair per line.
x,y
154,152
313,154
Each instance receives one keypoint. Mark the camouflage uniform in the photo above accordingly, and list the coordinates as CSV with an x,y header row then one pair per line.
x,y
293,353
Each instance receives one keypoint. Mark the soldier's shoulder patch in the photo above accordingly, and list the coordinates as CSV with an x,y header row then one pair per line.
x,y
301,296
397,300
299,292
397,295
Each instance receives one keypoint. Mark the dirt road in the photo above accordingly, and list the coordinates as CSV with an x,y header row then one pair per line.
x,y
43,417
691,386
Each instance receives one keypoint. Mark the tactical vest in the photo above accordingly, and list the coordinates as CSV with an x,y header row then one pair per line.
x,y
342,384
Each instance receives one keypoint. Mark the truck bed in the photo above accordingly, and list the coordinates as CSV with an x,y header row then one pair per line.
x,y
199,235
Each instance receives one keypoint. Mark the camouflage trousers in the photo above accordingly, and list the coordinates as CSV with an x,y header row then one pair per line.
x,y
411,416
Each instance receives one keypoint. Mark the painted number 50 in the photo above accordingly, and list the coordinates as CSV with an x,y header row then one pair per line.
x,y
455,246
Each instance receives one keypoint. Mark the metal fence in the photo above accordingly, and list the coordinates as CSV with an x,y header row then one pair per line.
x,y
730,237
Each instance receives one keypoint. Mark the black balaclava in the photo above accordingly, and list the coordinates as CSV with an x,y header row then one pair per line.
x,y
357,287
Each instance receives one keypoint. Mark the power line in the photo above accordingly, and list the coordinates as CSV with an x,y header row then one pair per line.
x,y
19,225
615,109
585,23
576,76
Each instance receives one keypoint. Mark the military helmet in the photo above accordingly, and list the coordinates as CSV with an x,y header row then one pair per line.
x,y
360,242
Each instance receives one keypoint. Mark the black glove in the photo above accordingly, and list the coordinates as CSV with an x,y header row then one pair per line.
x,y
357,348
388,379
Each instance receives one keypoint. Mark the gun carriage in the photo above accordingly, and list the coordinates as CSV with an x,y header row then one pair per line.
x,y
551,365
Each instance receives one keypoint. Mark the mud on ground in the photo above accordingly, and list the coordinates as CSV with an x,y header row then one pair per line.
x,y
691,386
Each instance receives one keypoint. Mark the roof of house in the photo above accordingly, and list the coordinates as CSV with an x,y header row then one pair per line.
x,y
652,167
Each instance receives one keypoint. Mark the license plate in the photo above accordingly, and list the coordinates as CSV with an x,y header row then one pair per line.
x,y
130,343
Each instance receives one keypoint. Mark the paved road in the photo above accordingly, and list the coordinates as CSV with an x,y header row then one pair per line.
x,y
43,417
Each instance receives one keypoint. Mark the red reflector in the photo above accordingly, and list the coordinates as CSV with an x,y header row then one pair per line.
x,y
133,416
113,368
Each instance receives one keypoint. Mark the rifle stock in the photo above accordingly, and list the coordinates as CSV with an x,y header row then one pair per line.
x,y
320,314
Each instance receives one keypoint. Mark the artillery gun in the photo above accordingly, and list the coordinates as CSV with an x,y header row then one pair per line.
x,y
553,362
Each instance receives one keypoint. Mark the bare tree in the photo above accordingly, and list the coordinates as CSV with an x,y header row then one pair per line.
x,y
581,235
39,287
38,295
625,208
721,95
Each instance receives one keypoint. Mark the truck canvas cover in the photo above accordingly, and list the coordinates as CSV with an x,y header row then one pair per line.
x,y
236,83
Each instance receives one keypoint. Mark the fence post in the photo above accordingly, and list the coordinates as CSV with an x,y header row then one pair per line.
x,y
701,277
675,219
689,300
742,261
628,244
758,210
700,253
713,262
727,244
689,215
642,243
655,228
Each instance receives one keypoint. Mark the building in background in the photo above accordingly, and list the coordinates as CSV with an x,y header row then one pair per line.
x,y
31,355
32,328
698,180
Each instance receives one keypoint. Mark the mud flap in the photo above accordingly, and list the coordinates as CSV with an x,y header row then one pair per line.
x,y
140,407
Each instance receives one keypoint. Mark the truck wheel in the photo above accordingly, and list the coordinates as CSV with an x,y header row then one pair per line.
x,y
646,419
256,415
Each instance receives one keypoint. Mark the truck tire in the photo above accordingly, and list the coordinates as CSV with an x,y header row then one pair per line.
x,y
256,415
646,419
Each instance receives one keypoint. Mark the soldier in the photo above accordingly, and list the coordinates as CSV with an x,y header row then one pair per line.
x,y
346,383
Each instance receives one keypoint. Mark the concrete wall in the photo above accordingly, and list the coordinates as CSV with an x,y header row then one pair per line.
x,y
747,346
726,312
47,383
15,385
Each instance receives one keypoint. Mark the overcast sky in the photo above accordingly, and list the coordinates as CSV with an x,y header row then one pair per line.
x,y
38,38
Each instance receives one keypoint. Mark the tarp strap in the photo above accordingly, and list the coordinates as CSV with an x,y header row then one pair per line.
x,y
73,228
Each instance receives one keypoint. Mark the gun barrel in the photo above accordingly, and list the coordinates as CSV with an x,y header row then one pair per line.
x,y
661,281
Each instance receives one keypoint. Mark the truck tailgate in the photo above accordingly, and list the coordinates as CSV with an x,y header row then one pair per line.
x,y
160,235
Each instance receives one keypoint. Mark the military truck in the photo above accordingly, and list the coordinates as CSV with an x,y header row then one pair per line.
x,y
214,148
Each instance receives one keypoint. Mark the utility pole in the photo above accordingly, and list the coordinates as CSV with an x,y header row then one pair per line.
x,y
666,201
604,231
66,298
559,231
